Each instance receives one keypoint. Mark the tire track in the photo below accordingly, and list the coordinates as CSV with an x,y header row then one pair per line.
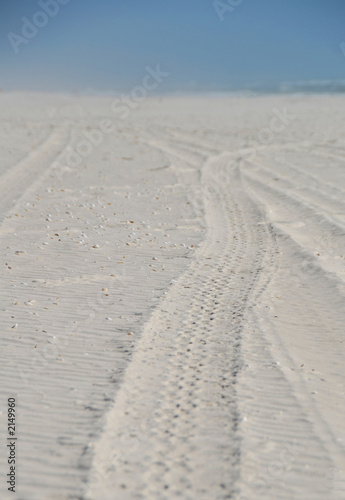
x,y
21,176
317,233
182,439
217,410
289,447
312,189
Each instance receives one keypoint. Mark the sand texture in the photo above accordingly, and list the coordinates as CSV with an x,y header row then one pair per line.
x,y
172,297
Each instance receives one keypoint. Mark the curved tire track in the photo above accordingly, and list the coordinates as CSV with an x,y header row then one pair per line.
x,y
173,431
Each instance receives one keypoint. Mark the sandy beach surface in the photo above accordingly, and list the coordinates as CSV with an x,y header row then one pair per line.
x,y
172,297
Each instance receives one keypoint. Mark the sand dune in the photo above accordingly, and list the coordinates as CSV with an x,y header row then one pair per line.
x,y
173,297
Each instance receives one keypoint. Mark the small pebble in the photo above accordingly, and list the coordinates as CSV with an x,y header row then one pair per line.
x,y
30,302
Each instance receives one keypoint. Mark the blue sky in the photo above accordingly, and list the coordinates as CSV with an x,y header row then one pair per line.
x,y
106,44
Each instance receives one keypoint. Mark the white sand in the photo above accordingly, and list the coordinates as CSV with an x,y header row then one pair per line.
x,y
173,305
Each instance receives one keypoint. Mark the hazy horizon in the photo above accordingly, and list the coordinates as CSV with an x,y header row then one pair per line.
x,y
204,45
